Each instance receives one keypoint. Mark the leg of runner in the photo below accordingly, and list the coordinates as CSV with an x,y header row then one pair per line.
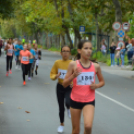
x,y
23,73
29,71
0,50
37,64
75,117
17,60
25,68
61,98
7,65
67,100
88,113
11,59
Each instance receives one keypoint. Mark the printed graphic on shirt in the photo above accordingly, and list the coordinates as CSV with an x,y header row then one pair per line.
x,y
63,73
10,51
24,58
85,78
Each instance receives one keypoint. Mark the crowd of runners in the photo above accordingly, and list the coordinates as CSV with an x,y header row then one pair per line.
x,y
26,57
76,79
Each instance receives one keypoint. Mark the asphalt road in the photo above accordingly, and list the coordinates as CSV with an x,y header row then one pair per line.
x,y
114,112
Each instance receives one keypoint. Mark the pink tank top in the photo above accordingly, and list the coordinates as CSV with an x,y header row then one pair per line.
x,y
81,91
10,50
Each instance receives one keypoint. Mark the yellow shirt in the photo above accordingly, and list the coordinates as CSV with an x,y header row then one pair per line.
x,y
59,66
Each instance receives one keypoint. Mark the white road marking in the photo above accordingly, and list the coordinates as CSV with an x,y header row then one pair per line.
x,y
117,102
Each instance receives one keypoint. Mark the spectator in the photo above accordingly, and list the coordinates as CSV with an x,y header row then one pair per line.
x,y
1,44
117,56
130,52
112,54
133,52
122,53
103,47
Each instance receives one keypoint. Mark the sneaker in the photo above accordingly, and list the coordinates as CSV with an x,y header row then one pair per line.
x,y
24,83
16,67
36,72
29,78
10,72
60,129
69,114
122,66
7,73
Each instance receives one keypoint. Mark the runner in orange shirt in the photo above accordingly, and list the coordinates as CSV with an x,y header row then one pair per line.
x,y
25,55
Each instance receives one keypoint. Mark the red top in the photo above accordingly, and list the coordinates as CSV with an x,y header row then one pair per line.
x,y
25,56
81,91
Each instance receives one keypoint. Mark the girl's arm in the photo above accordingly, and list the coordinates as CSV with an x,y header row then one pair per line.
x,y
31,56
6,47
54,72
71,74
100,78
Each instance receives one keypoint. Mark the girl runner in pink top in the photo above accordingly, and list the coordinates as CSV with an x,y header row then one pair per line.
x,y
9,50
82,72
81,84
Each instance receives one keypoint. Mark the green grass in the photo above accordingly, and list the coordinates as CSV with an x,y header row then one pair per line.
x,y
106,58
54,49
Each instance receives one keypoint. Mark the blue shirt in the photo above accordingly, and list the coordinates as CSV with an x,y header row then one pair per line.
x,y
33,53
17,47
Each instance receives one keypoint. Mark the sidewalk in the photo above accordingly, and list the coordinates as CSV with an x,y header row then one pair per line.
x,y
125,72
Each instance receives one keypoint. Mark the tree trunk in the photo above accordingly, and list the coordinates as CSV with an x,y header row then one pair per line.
x,y
118,14
97,30
63,40
76,31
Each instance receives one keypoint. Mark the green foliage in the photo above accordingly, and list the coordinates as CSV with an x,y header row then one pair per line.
x,y
54,49
73,51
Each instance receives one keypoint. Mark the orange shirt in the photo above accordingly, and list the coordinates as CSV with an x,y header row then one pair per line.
x,y
25,56
81,91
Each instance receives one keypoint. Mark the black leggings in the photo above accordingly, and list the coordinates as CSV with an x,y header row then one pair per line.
x,y
30,69
0,50
17,60
63,94
9,62
25,68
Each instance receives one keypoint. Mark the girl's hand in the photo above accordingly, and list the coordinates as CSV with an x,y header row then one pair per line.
x,y
77,72
93,86
71,85
58,75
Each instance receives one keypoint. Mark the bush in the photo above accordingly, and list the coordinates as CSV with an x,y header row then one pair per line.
x,y
54,49
73,51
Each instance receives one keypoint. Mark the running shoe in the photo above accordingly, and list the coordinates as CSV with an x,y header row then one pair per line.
x,y
16,67
10,72
36,72
60,129
24,83
29,78
68,113
7,74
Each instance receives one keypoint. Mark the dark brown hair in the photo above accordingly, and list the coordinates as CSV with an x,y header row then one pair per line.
x,y
65,46
80,46
9,42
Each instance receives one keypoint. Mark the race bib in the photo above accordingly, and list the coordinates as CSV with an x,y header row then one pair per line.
x,y
63,73
10,51
85,78
24,58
